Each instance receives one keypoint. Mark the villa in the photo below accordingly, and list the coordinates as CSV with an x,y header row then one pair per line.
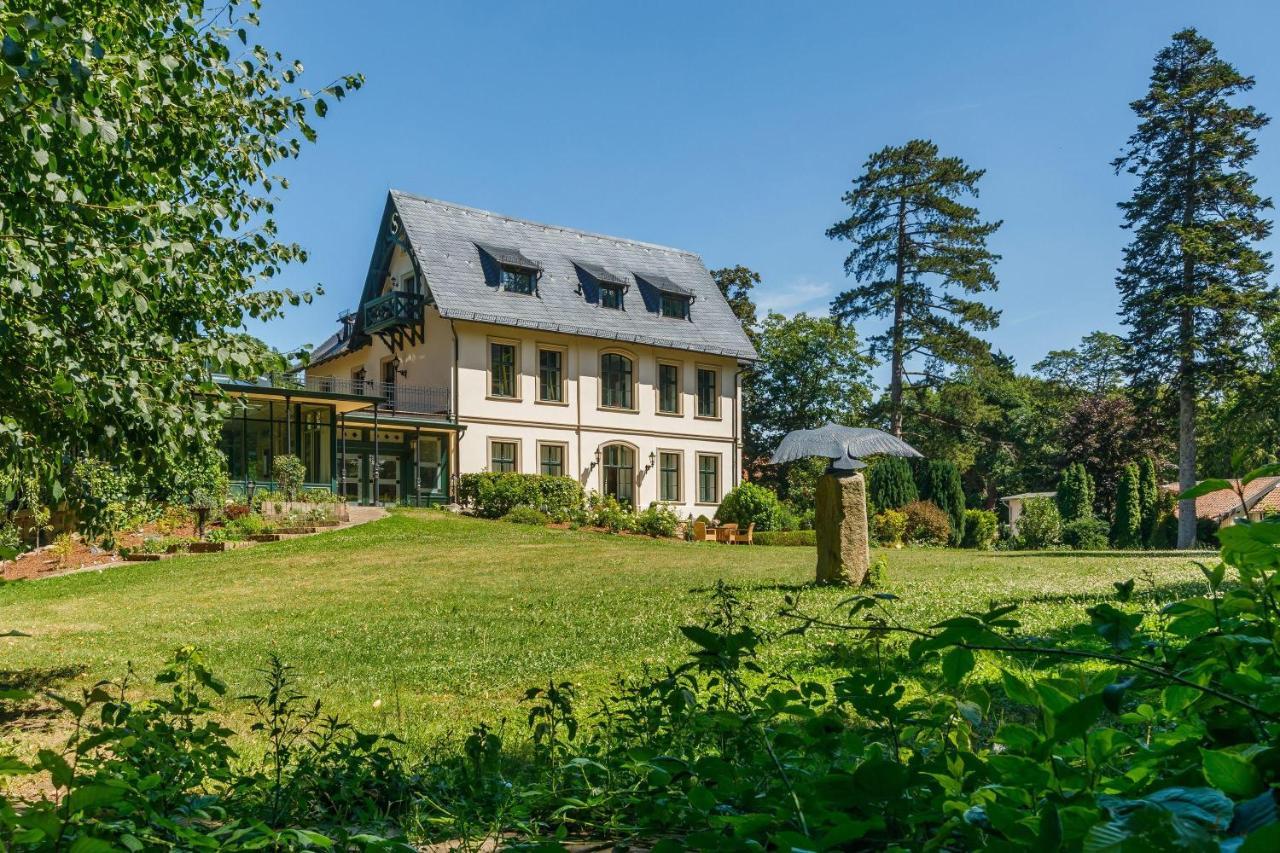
x,y
488,343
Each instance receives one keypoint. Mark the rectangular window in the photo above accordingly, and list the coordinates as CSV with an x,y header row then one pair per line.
x,y
409,283
708,479
551,459
669,477
516,280
610,296
675,306
669,388
504,456
708,393
502,370
615,381
551,375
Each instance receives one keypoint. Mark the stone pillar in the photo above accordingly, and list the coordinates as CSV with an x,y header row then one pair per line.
x,y
844,556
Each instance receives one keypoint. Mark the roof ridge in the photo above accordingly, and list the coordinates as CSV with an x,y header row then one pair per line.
x,y
562,228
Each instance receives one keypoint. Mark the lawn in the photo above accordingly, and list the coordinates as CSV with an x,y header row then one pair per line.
x,y
447,620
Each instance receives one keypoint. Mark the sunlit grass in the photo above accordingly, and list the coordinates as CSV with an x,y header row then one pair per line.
x,y
447,620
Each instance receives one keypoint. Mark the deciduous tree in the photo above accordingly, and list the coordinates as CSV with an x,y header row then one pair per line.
x,y
1097,366
138,143
736,283
1193,282
919,256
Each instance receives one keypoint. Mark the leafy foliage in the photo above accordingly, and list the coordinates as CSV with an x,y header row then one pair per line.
x,y
527,515
981,526
137,227
736,283
748,503
1040,525
1148,499
927,523
289,473
1097,367
889,528
493,495
1086,534
657,521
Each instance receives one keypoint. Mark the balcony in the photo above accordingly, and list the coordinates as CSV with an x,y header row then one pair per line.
x,y
391,310
387,397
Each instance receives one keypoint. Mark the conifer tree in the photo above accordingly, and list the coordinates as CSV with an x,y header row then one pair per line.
x,y
1193,283
919,254
1126,528
938,480
1148,499
889,483
1075,493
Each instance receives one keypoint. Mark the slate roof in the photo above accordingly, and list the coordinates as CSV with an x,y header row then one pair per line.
x,y
446,240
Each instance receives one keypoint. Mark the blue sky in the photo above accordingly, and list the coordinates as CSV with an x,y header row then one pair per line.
x,y
732,129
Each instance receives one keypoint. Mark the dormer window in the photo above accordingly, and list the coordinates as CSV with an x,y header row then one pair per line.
x,y
509,269
610,296
514,280
674,305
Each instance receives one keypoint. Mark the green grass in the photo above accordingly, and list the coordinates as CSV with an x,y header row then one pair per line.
x,y
447,620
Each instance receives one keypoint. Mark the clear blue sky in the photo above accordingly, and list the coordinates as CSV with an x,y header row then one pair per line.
x,y
732,129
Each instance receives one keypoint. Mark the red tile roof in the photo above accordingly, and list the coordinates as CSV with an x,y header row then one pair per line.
x,y
1258,494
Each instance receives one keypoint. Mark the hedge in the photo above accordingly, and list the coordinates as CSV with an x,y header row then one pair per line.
x,y
493,495
786,537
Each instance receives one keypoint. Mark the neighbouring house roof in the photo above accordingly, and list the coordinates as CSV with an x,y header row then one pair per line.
x,y
1225,502
455,247
1025,495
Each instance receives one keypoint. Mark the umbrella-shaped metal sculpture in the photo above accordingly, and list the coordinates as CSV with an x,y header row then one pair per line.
x,y
844,446
840,516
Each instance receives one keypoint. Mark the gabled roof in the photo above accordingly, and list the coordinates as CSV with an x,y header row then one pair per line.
x,y
1225,502
445,240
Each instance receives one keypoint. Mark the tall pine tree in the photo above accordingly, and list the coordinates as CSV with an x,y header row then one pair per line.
x,y
1075,493
918,256
938,480
889,483
1148,499
1193,283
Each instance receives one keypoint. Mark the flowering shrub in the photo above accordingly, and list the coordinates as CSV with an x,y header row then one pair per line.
x,y
657,521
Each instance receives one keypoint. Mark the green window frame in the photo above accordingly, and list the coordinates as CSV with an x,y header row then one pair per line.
x,y
551,375
708,478
504,456
616,372
668,388
675,306
611,296
502,370
669,476
551,459
708,393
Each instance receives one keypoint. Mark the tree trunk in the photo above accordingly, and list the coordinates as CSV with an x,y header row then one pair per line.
x,y
1186,363
899,312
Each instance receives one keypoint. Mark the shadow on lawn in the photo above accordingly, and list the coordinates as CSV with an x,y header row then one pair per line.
x,y
24,713
1120,555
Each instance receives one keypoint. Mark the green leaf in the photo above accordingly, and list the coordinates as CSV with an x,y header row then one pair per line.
x,y
1231,772
1271,470
1075,719
1204,487
89,844
956,664
91,797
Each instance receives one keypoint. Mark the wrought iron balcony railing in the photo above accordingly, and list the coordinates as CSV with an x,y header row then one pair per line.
x,y
392,309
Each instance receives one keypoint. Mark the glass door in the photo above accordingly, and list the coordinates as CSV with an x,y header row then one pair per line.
x,y
388,482
351,477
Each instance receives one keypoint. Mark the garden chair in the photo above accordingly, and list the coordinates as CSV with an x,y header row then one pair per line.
x,y
699,531
747,538
727,533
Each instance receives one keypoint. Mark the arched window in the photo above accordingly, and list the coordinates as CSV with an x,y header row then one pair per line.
x,y
616,375
618,473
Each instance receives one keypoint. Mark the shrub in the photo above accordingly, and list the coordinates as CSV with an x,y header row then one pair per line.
x,y
606,512
288,472
748,503
981,527
889,527
527,515
109,501
1165,532
1126,526
799,538
1085,534
657,521
927,523
1075,493
173,518
1148,500
878,573
890,484
234,511
492,494
1040,525
249,525
63,546
938,480
10,540
319,496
